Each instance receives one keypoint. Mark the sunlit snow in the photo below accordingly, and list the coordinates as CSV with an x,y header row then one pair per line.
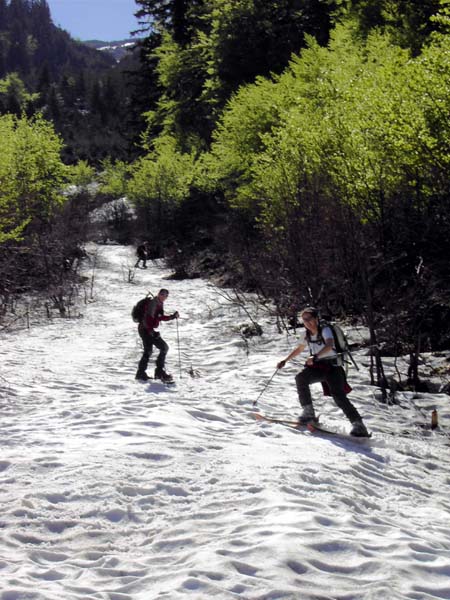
x,y
112,489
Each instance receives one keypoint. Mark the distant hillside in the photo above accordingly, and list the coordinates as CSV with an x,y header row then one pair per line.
x,y
30,44
117,49
80,87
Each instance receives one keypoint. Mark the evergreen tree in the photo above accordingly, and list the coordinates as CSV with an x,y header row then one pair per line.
x,y
3,15
18,11
173,16
3,54
53,112
41,28
80,87
43,80
17,58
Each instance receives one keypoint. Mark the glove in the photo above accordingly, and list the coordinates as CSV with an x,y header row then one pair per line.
x,y
281,364
175,315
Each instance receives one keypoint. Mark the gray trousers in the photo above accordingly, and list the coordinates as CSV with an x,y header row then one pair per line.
x,y
335,378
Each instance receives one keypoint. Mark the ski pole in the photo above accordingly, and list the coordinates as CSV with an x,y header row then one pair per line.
x,y
179,352
349,354
255,402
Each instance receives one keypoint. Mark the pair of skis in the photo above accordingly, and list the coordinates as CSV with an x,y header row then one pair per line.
x,y
311,426
154,380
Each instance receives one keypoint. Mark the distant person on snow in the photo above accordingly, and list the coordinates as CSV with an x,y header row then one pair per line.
x,y
143,254
153,314
325,366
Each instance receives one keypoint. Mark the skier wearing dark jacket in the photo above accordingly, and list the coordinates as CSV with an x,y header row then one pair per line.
x,y
324,365
153,315
142,252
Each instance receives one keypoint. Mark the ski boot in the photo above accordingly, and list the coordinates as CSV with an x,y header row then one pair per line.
x,y
163,376
308,415
142,376
359,429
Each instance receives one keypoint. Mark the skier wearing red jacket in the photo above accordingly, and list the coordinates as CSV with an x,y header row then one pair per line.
x,y
153,315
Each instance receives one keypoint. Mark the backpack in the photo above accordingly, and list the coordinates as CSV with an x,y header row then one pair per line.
x,y
340,339
340,343
138,311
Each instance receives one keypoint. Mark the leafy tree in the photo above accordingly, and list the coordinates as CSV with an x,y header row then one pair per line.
x,y
257,37
81,174
159,183
18,57
114,178
31,174
3,54
14,97
252,112
442,18
353,144
228,44
409,22
82,90
181,109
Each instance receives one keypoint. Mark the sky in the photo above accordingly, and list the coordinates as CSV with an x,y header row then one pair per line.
x,y
106,20
114,489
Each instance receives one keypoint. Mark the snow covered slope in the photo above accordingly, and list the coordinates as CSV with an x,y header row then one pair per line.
x,y
116,490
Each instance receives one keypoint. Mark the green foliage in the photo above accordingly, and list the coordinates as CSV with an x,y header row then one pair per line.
x,y
429,85
14,97
81,174
257,37
31,174
336,169
225,45
160,182
442,18
114,178
410,23
250,114
164,175
348,147
182,109
372,122
352,116
177,17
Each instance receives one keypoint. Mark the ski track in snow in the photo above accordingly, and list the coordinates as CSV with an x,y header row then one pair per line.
x,y
116,490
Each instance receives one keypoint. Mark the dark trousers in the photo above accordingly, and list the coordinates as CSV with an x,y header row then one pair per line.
x,y
144,263
335,378
148,341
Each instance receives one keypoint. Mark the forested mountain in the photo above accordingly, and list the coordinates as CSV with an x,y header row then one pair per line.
x,y
83,91
64,107
31,44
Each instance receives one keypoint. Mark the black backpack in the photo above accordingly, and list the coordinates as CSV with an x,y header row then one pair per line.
x,y
138,311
